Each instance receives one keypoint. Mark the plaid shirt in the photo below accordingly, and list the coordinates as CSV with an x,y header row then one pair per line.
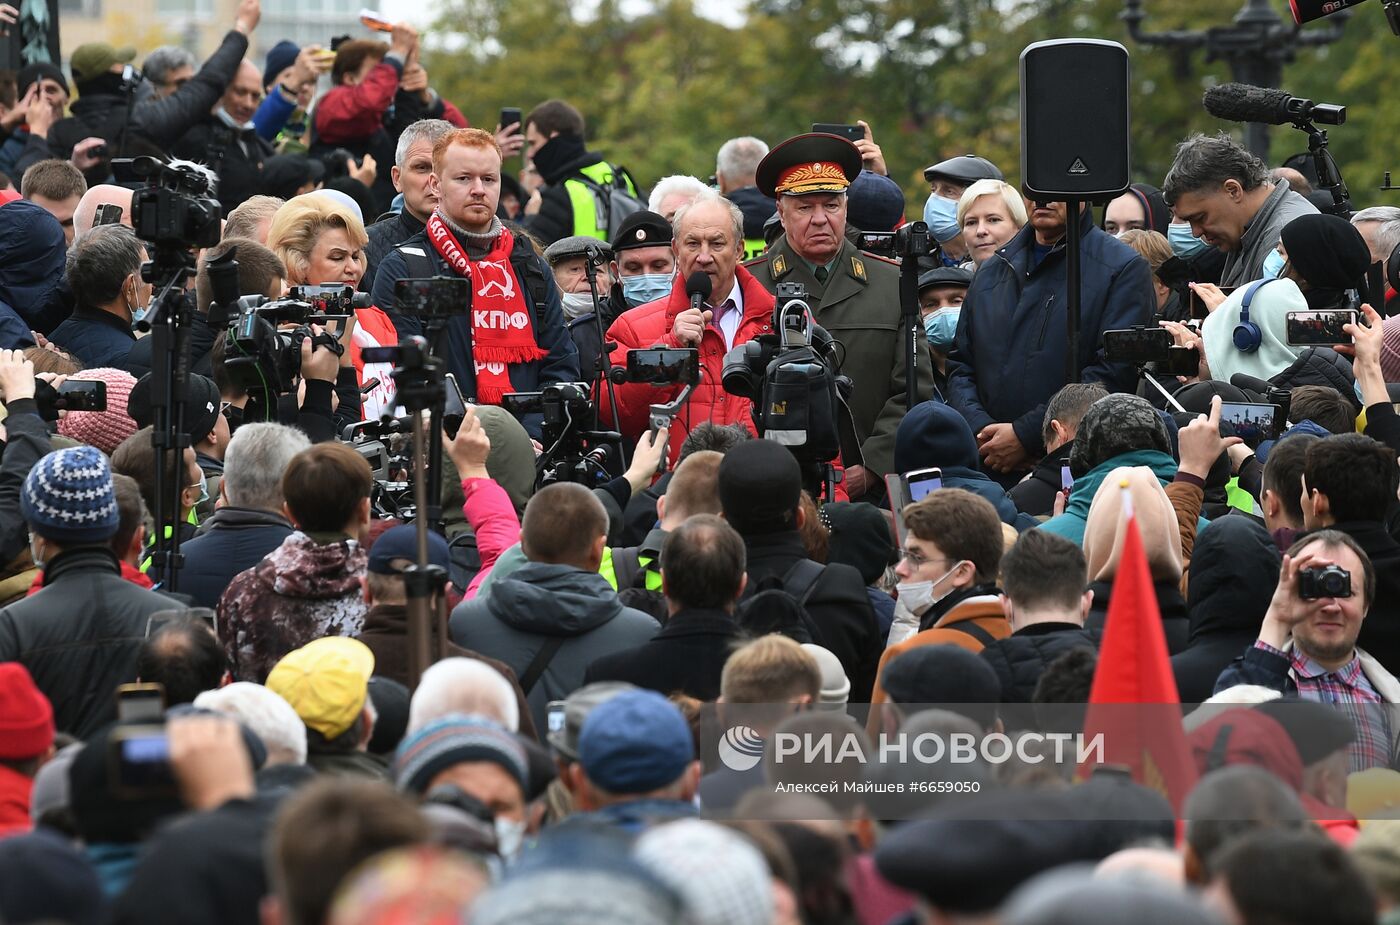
x,y
1348,687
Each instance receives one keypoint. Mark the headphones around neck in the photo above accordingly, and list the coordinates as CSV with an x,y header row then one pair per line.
x,y
1248,335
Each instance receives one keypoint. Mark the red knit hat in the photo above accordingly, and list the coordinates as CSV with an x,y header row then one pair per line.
x,y
102,429
26,718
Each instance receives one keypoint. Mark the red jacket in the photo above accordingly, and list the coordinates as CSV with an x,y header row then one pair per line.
x,y
651,325
350,113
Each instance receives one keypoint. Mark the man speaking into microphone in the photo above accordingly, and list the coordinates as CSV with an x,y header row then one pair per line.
x,y
1225,194
714,304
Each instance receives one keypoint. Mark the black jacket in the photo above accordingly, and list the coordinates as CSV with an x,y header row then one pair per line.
x,y
757,209
233,540
1234,568
1320,366
80,635
384,236
1170,603
557,160
1035,495
1380,631
96,337
838,605
1021,658
26,442
156,124
236,155
686,656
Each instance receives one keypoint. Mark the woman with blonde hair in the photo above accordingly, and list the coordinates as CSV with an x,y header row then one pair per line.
x,y
990,212
322,241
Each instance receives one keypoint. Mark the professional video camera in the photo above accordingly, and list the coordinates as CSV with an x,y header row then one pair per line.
x,y
262,356
911,240
792,378
176,207
572,454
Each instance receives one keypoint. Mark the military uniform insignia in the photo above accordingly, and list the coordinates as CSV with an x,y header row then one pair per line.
x,y
779,266
858,269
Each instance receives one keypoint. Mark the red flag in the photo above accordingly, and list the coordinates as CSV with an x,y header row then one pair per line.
x,y
1134,668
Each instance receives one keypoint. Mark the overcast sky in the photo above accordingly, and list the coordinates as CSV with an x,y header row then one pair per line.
x,y
422,12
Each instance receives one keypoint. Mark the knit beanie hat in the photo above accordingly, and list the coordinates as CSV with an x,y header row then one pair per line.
x,y
282,56
1390,349
68,497
760,486
721,877
454,740
26,717
102,429
1114,425
1326,250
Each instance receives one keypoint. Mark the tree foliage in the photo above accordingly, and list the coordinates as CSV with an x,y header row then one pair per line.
x,y
662,90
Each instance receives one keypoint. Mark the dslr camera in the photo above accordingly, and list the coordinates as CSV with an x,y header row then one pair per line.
x,y
176,208
1324,581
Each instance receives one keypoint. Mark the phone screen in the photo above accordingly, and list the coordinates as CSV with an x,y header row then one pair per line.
x,y
140,702
1319,328
1066,479
1252,423
921,484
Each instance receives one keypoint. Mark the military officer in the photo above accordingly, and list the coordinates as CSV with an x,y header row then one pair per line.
x,y
854,295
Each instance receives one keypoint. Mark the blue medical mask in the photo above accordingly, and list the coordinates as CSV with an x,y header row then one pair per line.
x,y
941,214
139,313
646,287
941,327
1273,265
1184,243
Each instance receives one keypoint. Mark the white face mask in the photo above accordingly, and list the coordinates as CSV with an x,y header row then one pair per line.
x,y
918,596
576,304
509,836
34,553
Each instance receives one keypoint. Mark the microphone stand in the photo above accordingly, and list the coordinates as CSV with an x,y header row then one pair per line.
x,y
909,305
593,259
1329,177
1072,287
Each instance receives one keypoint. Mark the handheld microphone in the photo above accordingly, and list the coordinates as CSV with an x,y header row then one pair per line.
x,y
698,287
1236,102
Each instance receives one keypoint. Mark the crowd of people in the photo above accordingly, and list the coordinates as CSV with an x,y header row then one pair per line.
x,y
253,739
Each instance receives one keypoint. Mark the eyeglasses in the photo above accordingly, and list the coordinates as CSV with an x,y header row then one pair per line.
x,y
918,559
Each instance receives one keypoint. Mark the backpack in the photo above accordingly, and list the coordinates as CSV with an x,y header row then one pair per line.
x,y
615,201
789,594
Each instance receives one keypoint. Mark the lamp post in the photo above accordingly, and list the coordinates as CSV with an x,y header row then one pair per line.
x,y
1257,44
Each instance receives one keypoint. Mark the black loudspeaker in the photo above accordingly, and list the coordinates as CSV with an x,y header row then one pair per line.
x,y
1074,119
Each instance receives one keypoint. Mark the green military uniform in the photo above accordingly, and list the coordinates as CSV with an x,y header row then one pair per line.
x,y
859,306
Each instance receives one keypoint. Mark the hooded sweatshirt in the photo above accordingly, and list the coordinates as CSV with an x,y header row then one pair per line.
x,y
1071,523
31,268
542,601
300,591
933,434
1234,569
1268,309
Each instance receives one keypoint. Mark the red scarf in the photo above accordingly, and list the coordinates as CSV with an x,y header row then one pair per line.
x,y
502,329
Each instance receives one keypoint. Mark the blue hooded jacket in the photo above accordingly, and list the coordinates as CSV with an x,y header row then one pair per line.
x,y
933,434
32,251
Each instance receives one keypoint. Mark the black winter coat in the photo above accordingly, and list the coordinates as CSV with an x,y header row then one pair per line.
x,y
236,155
156,124
26,442
95,337
385,235
1234,568
233,540
1035,495
1021,658
1175,622
563,157
80,635
687,655
838,605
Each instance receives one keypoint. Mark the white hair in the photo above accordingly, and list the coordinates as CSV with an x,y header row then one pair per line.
x,y
266,714
430,130
254,462
1388,234
463,685
1015,205
708,196
676,184
738,158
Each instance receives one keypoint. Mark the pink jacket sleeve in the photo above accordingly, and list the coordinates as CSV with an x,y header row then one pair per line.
x,y
492,516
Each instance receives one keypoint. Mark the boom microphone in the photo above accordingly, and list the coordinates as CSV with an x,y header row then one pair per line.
x,y
698,287
1308,10
1244,103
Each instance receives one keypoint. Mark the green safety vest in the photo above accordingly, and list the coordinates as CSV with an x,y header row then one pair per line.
x,y
191,519
609,571
589,218
754,248
1236,497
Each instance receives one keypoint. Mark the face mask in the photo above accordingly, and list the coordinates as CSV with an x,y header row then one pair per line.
x,y
1184,244
222,115
509,836
139,313
203,490
1273,265
942,217
918,596
941,327
34,553
648,287
576,304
